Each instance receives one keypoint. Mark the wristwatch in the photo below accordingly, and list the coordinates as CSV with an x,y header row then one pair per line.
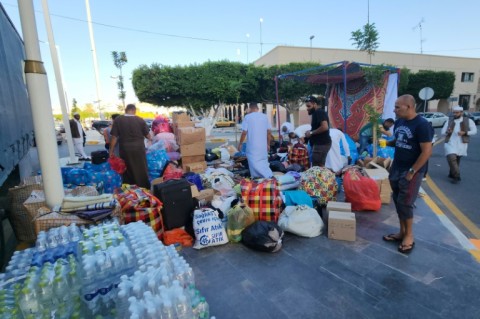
x,y
411,170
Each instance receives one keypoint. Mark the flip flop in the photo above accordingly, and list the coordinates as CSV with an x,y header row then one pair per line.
x,y
406,249
391,237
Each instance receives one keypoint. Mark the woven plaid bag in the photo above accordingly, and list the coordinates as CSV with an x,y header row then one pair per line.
x,y
299,154
319,182
137,204
263,197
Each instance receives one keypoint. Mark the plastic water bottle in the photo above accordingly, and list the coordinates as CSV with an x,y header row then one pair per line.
x,y
167,310
203,309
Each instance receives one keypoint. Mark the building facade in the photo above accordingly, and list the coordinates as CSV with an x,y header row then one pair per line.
x,y
466,90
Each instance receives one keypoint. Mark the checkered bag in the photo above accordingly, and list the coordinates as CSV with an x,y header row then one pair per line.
x,y
319,182
299,154
263,197
137,204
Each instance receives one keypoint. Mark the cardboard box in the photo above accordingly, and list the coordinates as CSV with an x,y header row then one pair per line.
x,y
195,191
336,206
380,175
180,117
206,194
179,125
192,159
342,226
193,149
198,167
190,135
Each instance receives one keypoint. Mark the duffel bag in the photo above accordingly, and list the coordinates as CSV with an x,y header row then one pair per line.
x,y
319,182
301,220
263,197
99,157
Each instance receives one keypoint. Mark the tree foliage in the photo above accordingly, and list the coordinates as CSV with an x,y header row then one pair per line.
x,y
442,83
366,39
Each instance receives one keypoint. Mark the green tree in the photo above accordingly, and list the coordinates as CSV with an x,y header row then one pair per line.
x,y
366,39
119,60
75,108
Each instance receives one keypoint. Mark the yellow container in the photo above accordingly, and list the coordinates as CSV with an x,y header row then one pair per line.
x,y
382,142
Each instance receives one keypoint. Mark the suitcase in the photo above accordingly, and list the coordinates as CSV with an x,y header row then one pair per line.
x,y
178,206
99,157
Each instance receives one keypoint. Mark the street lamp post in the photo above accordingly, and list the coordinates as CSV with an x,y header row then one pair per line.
x,y
261,43
311,38
248,36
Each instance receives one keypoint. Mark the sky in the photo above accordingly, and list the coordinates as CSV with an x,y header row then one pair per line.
x,y
183,32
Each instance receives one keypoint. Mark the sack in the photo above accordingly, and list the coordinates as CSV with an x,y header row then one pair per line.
x,y
117,164
172,171
299,154
177,236
78,176
263,236
99,157
262,197
208,229
320,182
238,218
301,220
19,217
361,191
139,205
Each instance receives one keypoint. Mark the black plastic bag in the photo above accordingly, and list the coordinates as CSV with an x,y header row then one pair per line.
x,y
263,236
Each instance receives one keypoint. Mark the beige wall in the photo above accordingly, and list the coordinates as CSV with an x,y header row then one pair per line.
x,y
414,62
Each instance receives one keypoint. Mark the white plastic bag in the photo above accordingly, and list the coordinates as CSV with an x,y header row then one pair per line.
x,y
208,229
301,220
224,184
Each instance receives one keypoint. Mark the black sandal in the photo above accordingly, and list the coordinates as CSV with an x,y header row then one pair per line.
x,y
406,249
391,237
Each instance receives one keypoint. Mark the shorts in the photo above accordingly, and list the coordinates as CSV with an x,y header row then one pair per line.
x,y
404,192
319,154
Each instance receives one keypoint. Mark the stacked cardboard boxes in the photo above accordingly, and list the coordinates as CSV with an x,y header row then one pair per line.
x,y
380,175
192,147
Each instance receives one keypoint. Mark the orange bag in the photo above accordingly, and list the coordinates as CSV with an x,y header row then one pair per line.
x,y
117,164
177,236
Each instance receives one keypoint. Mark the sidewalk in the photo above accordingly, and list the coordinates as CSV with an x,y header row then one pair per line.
x,y
323,278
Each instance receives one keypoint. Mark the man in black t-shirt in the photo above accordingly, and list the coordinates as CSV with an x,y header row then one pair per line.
x,y
413,147
319,136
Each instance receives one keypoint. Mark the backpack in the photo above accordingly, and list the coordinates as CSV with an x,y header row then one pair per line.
x,y
263,236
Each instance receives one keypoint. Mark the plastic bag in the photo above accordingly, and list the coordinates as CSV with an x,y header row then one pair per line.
x,y
78,176
177,236
117,164
194,178
361,191
301,220
239,217
263,236
224,184
208,229
172,171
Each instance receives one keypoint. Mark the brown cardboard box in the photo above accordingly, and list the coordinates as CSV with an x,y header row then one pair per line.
x,y
180,117
206,194
177,126
192,159
190,135
336,206
342,226
195,191
380,175
198,167
192,149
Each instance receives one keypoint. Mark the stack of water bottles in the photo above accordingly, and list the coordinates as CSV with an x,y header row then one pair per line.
x,y
104,271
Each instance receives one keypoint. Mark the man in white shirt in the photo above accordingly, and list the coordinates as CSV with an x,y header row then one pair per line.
x,y
457,131
78,135
335,160
256,128
285,129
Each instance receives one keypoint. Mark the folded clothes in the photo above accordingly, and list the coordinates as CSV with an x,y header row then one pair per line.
x,y
285,179
110,205
94,215
80,201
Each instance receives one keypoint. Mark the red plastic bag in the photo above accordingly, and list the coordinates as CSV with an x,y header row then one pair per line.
x,y
117,164
172,171
361,191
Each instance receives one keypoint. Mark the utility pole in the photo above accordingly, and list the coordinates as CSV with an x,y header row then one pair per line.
x,y
311,55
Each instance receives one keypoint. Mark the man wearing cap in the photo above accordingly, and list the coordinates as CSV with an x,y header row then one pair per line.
x,y
78,136
318,136
256,128
457,130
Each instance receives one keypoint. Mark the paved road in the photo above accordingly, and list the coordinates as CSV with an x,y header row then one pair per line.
x,y
464,196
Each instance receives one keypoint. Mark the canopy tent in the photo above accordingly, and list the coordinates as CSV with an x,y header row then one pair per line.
x,y
348,91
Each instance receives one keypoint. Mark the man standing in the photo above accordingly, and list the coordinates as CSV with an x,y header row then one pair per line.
x,y
319,136
413,147
256,128
457,130
130,131
78,136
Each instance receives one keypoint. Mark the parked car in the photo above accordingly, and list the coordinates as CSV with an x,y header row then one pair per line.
x,y
58,135
437,119
476,117
223,122
60,127
100,125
